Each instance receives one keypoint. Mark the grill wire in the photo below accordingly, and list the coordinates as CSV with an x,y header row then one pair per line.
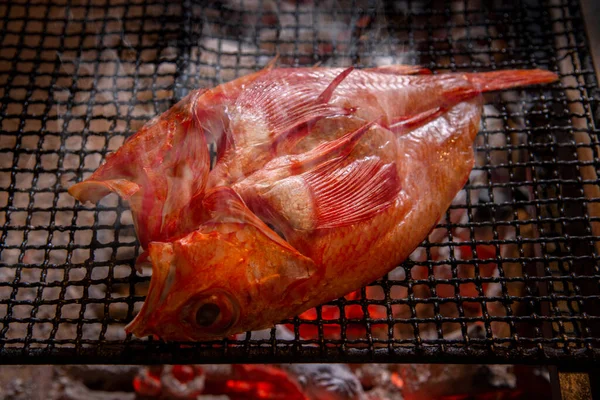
x,y
77,77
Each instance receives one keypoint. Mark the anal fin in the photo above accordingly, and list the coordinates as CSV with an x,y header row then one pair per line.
x,y
410,122
224,205
338,148
414,121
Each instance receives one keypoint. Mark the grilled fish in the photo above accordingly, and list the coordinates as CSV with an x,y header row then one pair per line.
x,y
325,180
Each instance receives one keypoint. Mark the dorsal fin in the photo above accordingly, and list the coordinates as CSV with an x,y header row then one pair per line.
x,y
294,125
289,103
271,64
328,92
291,126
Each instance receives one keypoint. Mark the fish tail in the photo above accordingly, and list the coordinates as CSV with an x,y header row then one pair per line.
x,y
499,80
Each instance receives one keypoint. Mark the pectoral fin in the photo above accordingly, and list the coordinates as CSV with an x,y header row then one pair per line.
x,y
225,205
338,148
345,195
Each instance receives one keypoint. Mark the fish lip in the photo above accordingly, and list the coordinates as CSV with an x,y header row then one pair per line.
x,y
163,254
134,326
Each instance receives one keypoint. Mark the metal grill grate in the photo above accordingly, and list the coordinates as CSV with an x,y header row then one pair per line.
x,y
511,274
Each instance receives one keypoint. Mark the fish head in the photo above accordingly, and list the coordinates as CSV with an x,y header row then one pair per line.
x,y
231,275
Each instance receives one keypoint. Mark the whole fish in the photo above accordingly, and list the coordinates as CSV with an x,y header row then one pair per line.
x,y
325,180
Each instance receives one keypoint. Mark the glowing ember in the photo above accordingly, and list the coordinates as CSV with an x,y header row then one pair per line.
x,y
241,382
396,380
147,383
185,373
331,313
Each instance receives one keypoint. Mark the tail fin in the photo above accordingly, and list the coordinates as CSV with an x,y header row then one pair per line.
x,y
499,80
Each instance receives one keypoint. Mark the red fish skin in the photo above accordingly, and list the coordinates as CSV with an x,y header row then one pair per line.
x,y
353,167
433,173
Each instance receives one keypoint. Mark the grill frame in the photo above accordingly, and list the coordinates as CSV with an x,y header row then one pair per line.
x,y
179,44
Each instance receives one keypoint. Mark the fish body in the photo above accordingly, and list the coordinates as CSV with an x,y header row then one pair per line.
x,y
325,180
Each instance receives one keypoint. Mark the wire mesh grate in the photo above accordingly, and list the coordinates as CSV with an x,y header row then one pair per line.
x,y
509,275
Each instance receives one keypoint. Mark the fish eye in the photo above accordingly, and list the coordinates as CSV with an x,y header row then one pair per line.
x,y
207,314
215,313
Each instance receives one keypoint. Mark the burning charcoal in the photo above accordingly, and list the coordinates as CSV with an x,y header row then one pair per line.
x,y
379,381
110,378
430,381
382,394
26,382
147,382
351,312
75,390
486,217
231,381
372,375
182,381
281,333
327,381
266,382
433,381
534,382
458,44
498,376
218,371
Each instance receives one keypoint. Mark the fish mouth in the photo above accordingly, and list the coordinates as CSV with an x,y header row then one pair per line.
x,y
163,272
